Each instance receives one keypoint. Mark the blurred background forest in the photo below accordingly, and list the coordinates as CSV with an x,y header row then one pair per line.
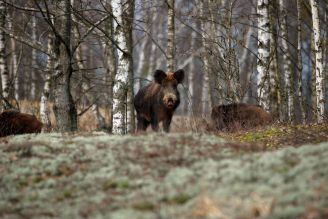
x,y
63,60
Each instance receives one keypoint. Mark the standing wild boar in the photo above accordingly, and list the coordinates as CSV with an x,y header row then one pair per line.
x,y
157,101
239,115
13,122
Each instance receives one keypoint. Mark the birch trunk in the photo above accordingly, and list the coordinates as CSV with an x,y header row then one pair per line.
x,y
288,75
206,101
301,117
3,65
263,54
128,15
110,63
170,36
14,59
33,60
64,108
121,88
44,108
318,62
191,74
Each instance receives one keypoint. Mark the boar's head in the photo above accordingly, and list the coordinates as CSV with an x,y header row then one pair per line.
x,y
169,94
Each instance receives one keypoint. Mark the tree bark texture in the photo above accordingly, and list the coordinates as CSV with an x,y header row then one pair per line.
x,y
170,36
64,107
319,76
263,61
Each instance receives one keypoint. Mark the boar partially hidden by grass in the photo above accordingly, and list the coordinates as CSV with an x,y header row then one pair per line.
x,y
13,122
236,116
157,101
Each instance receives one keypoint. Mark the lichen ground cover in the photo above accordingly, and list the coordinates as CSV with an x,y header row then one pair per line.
x,y
158,176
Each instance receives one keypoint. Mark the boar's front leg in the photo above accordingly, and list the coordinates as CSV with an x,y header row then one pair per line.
x,y
167,123
154,121
142,123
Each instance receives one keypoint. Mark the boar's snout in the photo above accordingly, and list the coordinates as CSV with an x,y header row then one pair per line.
x,y
170,100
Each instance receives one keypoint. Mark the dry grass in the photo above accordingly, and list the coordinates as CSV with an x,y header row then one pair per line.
x,y
86,122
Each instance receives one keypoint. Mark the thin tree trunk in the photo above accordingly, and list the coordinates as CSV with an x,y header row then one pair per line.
x,y
3,65
288,74
191,74
128,15
14,59
263,53
206,99
326,59
275,79
170,36
33,60
318,62
300,118
111,66
44,108
64,108
121,86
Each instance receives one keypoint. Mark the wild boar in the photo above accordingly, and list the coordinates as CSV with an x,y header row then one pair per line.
x,y
13,122
239,115
157,101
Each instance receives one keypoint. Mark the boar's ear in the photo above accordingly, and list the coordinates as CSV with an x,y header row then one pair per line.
x,y
159,75
179,75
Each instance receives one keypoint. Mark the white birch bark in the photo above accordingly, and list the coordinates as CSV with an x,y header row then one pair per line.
x,y
288,74
170,36
120,88
3,65
44,107
110,63
318,61
263,54
33,61
191,74
206,101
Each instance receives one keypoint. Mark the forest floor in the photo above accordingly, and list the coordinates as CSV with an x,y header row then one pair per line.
x,y
273,172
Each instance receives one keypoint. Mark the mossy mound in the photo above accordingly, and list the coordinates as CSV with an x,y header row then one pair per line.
x,y
158,176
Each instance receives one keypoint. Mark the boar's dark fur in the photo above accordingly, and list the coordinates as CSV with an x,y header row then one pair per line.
x,y
231,117
157,101
13,122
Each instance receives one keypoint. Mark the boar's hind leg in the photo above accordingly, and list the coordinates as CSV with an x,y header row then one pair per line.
x,y
142,124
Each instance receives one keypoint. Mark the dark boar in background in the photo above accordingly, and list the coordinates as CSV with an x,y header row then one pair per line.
x,y
13,122
157,101
234,116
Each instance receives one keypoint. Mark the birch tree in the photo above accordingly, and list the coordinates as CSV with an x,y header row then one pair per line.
x,y
33,60
170,36
206,99
319,76
14,58
288,75
44,108
110,63
263,53
3,65
123,35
